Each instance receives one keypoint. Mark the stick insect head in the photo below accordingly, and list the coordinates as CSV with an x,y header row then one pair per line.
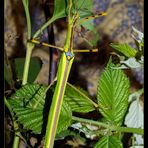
x,y
69,55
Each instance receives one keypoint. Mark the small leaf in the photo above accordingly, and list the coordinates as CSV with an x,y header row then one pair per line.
x,y
66,133
87,129
83,8
137,35
59,9
89,25
121,67
35,66
109,142
112,95
125,49
136,95
132,63
65,118
59,12
78,100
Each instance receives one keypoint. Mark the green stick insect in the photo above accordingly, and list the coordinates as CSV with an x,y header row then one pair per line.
x,y
64,68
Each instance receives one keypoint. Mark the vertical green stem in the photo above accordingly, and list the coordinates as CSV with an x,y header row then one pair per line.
x,y
44,26
16,140
29,45
27,62
15,125
26,70
26,7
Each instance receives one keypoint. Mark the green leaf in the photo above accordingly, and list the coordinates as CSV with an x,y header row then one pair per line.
x,y
65,118
35,66
28,104
85,9
59,9
125,49
78,100
109,142
66,133
89,25
82,7
112,95
95,39
59,12
87,129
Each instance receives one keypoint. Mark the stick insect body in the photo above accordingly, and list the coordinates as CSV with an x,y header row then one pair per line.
x,y
65,64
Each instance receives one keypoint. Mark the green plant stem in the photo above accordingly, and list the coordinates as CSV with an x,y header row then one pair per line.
x,y
39,31
27,62
15,125
16,141
111,127
26,7
29,45
129,130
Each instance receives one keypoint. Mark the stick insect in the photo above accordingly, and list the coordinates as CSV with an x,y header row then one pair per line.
x,y
65,63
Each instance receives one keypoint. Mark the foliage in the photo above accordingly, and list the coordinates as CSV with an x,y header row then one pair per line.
x,y
30,103
135,60
135,115
113,94
109,142
132,58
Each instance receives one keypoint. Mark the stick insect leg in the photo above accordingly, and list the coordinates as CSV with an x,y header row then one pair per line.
x,y
86,50
35,41
53,81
